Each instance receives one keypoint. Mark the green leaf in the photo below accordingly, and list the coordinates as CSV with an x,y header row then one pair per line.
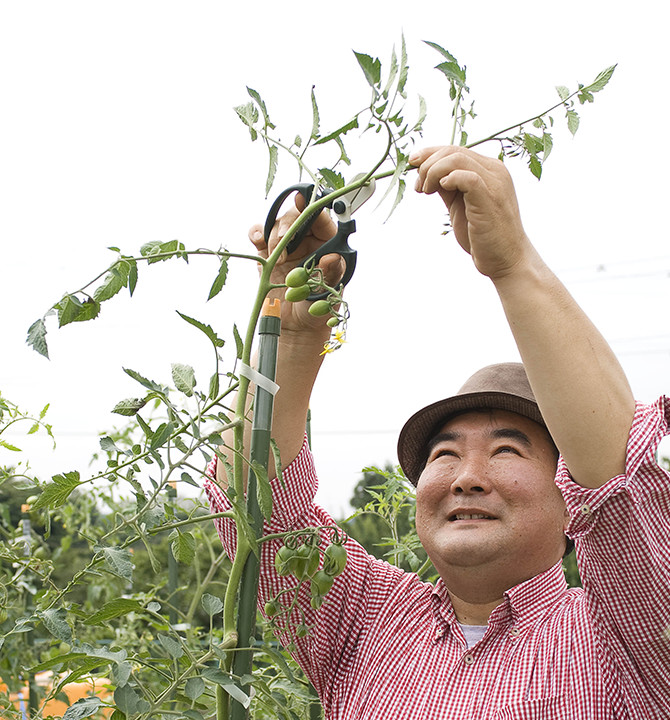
x,y
248,114
183,377
272,169
263,489
228,684
371,68
573,121
171,646
114,281
85,707
601,80
145,382
261,104
445,53
183,546
239,343
71,309
277,460
56,623
207,329
220,279
548,145
211,604
113,609
404,69
118,561
316,121
563,92
333,179
129,702
37,333
393,72
213,386
194,688
343,130
423,111
453,72
129,406
8,446
161,435
535,166
55,494
132,276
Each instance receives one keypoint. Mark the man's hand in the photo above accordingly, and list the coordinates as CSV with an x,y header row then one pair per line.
x,y
479,194
295,316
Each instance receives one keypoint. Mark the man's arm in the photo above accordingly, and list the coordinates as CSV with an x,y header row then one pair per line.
x,y
579,385
300,343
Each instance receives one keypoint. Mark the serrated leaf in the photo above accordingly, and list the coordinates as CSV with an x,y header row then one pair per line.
x,y
219,280
563,92
58,491
343,130
393,72
423,111
453,72
37,333
9,446
548,146
113,282
129,406
118,561
277,460
71,309
211,604
161,435
316,120
404,69
183,377
194,688
108,445
601,80
261,104
573,121
445,53
535,166
372,68
128,701
248,114
213,391
84,707
272,169
113,609
333,179
183,546
56,623
207,329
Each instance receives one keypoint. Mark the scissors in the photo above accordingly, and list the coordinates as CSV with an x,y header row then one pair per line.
x,y
343,207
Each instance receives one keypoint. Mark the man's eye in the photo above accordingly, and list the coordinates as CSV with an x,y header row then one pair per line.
x,y
442,453
507,449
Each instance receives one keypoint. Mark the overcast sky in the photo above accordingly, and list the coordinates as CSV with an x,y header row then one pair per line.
x,y
118,128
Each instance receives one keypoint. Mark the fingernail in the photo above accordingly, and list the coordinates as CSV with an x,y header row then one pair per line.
x,y
414,158
257,236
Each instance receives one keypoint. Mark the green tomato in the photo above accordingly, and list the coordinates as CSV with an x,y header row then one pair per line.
x,y
284,561
305,561
333,322
297,277
296,294
319,308
335,559
272,608
321,583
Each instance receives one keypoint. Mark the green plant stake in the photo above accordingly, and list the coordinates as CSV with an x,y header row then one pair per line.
x,y
259,495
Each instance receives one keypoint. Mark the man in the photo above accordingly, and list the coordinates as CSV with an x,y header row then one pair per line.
x,y
500,636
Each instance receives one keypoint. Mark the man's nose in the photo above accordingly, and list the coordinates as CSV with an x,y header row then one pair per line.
x,y
472,476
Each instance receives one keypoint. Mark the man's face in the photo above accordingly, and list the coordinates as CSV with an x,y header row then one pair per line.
x,y
487,498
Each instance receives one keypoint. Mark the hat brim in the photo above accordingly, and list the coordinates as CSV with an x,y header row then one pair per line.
x,y
425,423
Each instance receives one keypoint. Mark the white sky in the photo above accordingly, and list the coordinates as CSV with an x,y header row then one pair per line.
x,y
117,128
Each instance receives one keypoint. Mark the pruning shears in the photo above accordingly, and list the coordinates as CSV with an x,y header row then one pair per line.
x,y
343,207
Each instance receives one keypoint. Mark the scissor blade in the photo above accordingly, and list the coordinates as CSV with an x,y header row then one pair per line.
x,y
361,195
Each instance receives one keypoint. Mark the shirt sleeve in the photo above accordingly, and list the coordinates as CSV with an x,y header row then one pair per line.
x,y
622,538
359,593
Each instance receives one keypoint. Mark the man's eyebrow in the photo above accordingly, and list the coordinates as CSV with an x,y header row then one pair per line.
x,y
442,437
512,434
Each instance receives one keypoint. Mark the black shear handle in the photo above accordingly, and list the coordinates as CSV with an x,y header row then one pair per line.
x,y
306,190
337,244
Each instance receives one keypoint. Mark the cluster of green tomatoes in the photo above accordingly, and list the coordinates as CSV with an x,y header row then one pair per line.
x,y
302,282
303,560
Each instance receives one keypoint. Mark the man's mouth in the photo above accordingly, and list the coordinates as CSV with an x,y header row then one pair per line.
x,y
470,516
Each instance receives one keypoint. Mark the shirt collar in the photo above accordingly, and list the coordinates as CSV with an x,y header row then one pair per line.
x,y
522,604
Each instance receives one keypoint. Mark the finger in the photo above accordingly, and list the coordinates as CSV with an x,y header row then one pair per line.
x,y
323,227
440,169
333,268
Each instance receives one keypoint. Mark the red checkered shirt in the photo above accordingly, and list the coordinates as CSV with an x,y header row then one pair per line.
x,y
387,646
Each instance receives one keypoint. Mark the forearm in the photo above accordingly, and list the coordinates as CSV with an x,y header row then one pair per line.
x,y
581,389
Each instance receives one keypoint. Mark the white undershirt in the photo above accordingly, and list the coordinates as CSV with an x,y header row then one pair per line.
x,y
473,633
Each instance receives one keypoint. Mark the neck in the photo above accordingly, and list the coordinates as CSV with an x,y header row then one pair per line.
x,y
473,613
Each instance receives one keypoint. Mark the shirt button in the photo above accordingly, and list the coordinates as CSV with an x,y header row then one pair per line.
x,y
468,659
515,632
585,510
